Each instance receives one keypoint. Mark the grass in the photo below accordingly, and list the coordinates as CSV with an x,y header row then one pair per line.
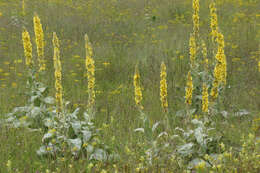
x,y
124,33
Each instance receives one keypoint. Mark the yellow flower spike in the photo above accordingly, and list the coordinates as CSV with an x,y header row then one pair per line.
x,y
90,67
57,73
205,56
27,48
213,21
137,87
193,50
189,89
195,17
205,101
39,38
163,87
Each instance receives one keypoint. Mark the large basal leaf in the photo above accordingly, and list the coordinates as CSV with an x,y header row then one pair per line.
x,y
86,135
99,154
75,144
49,100
199,135
185,149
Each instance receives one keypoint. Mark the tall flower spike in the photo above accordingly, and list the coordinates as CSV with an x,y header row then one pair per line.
x,y
163,87
57,74
195,17
205,56
213,21
138,91
189,89
90,67
193,50
27,45
205,101
23,7
221,58
39,38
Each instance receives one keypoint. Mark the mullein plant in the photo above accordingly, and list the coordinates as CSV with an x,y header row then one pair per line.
x,y
90,74
27,45
220,70
57,74
137,89
32,114
39,39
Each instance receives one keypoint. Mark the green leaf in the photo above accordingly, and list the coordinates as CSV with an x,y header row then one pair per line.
x,y
185,149
86,135
99,154
49,100
41,151
75,144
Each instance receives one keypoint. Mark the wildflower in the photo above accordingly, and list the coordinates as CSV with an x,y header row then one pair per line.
x,y
57,74
213,21
90,166
205,56
205,101
90,67
189,89
163,87
221,58
39,37
14,85
27,45
214,90
195,17
201,166
193,50
9,165
137,86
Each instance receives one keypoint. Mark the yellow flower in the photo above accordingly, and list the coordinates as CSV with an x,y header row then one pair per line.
x,y
205,101
189,89
9,165
163,87
193,50
205,56
14,85
57,73
27,48
90,67
213,21
195,17
39,38
90,166
137,86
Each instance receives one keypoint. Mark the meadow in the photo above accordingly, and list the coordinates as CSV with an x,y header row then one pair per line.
x,y
129,86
